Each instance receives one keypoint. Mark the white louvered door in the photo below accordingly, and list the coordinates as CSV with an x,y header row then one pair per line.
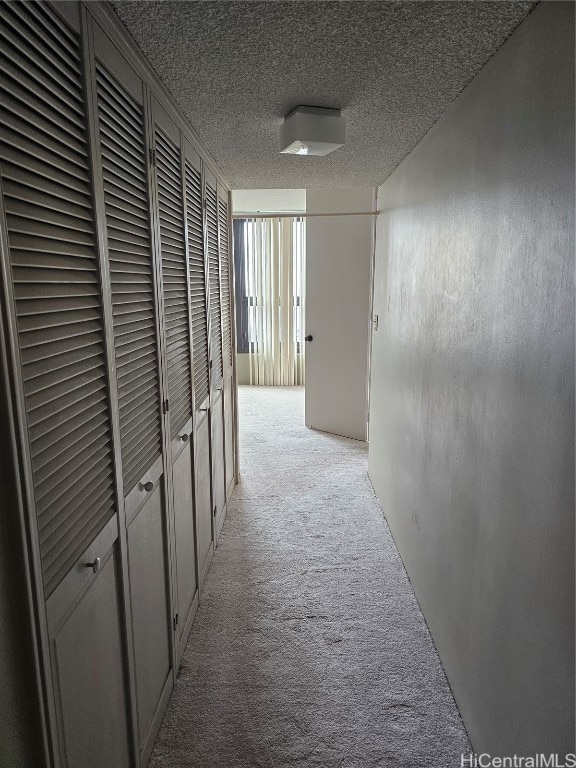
x,y
63,363
198,308
121,354
172,240
228,405
123,144
216,358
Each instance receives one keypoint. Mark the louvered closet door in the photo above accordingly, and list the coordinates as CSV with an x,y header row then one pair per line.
x,y
172,225
125,193
57,301
216,359
224,240
198,308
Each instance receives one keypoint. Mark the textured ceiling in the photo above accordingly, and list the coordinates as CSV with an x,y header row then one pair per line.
x,y
393,67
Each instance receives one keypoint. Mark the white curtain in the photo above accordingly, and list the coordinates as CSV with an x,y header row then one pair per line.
x,y
274,261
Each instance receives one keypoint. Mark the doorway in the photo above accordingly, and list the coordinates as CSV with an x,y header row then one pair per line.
x,y
269,258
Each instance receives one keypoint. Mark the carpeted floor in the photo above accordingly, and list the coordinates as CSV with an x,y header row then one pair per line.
x,y
309,648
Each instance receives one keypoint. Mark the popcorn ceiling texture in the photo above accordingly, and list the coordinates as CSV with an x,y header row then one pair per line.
x,y
236,68
309,648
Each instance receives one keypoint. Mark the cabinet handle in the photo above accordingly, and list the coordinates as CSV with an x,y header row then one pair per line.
x,y
185,438
95,565
309,338
149,486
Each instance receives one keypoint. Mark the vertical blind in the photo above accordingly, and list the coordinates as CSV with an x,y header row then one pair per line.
x,y
274,278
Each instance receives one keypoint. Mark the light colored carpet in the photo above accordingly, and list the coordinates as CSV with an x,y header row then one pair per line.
x,y
309,648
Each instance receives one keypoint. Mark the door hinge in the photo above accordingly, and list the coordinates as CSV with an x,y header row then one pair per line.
x,y
152,156
165,406
215,510
175,622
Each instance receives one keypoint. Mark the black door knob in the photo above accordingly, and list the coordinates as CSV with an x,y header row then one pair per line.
x,y
308,338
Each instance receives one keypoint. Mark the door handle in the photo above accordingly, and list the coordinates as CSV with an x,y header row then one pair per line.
x,y
184,438
308,338
149,486
95,565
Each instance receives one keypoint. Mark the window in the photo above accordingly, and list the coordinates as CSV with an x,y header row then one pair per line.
x,y
269,265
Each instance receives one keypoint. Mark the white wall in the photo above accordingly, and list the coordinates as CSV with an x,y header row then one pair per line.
x,y
266,200
338,258
472,393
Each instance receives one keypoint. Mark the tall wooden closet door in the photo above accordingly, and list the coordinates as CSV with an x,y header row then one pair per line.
x,y
124,157
216,360
62,366
225,250
177,329
198,307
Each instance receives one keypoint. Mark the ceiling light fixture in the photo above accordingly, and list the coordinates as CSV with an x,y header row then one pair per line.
x,y
312,131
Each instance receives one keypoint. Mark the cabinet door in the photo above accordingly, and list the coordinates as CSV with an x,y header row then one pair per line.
x,y
62,372
197,270
177,329
87,647
216,359
227,360
125,190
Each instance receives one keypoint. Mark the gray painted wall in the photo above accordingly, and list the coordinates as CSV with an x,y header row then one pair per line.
x,y
472,391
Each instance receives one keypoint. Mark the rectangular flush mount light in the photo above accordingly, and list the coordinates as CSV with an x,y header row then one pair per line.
x,y
312,131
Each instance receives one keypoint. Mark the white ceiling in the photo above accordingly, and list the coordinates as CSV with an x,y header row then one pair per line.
x,y
393,67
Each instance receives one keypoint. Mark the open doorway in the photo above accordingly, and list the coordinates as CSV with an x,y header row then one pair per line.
x,y
303,290
269,258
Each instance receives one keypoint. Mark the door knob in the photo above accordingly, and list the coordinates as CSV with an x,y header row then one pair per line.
x,y
308,338
95,565
184,438
149,486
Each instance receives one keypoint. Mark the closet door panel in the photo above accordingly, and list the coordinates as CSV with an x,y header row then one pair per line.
x,y
218,476
185,536
170,186
124,169
229,435
197,269
216,360
215,314
225,250
174,272
56,282
62,365
198,283
150,608
216,351
202,476
88,654
133,280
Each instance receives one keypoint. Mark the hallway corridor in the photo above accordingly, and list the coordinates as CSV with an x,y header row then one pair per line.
x,y
309,648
